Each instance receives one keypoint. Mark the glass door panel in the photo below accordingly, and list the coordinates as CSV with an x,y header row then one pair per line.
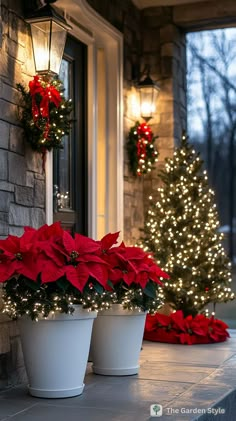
x,y
70,163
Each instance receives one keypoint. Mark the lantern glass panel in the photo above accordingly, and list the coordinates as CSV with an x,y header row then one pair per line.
x,y
148,98
48,44
57,47
41,40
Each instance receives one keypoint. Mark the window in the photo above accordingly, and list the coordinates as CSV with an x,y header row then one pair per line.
x,y
212,117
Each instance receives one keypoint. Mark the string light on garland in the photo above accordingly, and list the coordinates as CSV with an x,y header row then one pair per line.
x,y
20,299
134,300
141,149
45,115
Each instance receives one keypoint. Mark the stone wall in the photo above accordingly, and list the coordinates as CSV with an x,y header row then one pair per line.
x,y
22,182
163,49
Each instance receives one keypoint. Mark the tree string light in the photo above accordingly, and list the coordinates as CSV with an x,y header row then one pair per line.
x,y
181,231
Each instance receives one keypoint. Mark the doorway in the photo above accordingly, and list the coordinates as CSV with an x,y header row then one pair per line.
x,y
70,173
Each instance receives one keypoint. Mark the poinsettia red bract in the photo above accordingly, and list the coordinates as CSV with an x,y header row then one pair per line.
x,y
18,256
190,330
49,269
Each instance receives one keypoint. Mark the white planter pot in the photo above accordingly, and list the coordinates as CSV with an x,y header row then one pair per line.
x,y
116,341
56,351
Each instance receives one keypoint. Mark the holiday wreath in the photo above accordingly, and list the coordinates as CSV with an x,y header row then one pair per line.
x,y
141,150
190,330
46,114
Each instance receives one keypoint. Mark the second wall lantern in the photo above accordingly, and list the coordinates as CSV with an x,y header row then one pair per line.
x,y
148,91
48,30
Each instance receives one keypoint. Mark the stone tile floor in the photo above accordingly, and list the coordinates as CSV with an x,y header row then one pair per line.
x,y
188,381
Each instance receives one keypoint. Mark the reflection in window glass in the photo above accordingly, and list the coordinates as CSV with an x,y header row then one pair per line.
x,y
62,159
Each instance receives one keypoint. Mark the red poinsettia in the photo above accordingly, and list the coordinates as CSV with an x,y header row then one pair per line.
x,y
83,261
53,269
217,330
154,321
52,253
185,330
46,240
132,265
18,256
107,242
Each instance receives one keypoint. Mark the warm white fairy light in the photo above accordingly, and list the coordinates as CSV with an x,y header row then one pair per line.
x,y
34,304
183,227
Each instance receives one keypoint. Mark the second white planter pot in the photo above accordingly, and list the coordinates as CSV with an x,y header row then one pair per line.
x,y
116,341
56,351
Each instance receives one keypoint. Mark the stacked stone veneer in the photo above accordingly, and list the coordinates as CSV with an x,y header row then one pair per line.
x,y
163,48
22,182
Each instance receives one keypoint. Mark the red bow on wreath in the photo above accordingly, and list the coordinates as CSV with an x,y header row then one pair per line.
x,y
141,149
35,88
145,131
145,136
49,94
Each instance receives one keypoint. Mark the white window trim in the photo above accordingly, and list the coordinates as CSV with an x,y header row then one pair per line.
x,y
90,28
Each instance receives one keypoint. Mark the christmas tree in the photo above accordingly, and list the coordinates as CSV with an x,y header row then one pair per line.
x,y
181,231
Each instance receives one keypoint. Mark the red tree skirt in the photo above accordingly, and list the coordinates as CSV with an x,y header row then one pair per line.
x,y
176,329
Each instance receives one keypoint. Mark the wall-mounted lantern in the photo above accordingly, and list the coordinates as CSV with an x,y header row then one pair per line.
x,y
149,92
48,30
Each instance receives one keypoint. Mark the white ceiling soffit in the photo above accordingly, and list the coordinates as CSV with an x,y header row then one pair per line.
x,y
142,4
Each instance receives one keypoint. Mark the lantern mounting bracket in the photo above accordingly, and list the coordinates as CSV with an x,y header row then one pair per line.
x,y
48,32
47,12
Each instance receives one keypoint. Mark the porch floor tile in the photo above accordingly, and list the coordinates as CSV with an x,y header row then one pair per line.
x,y
188,381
